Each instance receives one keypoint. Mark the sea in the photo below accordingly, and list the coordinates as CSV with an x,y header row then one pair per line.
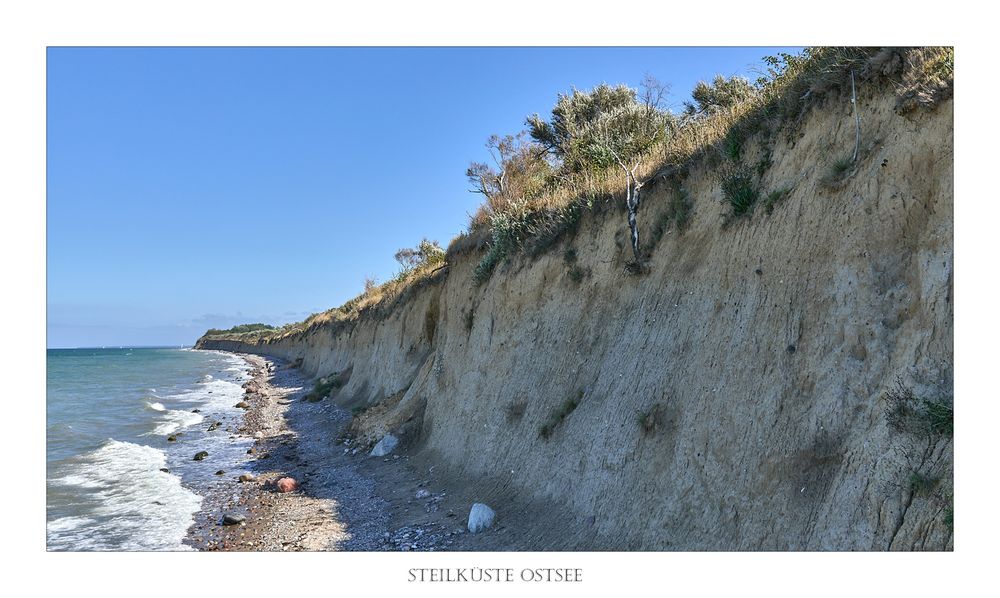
x,y
122,428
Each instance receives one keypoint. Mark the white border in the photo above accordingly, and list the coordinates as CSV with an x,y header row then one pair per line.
x,y
29,27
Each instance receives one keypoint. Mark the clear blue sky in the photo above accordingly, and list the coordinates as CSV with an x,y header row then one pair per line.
x,y
191,188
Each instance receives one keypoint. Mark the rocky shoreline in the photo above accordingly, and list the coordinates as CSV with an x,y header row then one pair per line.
x,y
343,498
260,518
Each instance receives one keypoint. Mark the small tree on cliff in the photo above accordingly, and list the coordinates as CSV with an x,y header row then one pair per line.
x,y
519,172
720,94
426,253
606,127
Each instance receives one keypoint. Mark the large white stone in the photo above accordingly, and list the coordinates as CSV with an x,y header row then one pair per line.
x,y
385,446
480,517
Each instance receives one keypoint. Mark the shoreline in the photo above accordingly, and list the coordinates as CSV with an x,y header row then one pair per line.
x,y
346,499
339,503
273,521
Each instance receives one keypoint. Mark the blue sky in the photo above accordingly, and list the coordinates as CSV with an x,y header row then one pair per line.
x,y
191,188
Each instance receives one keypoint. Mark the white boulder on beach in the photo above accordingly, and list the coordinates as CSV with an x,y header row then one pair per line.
x,y
385,446
480,517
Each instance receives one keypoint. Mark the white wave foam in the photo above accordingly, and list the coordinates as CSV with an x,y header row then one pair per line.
x,y
68,524
176,420
214,394
131,504
156,406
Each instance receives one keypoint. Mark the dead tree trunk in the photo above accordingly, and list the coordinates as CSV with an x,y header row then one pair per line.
x,y
633,185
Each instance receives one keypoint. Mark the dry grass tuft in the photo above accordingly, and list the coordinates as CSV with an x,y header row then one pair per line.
x,y
928,78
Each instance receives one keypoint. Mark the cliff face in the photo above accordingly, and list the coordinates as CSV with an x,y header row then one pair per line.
x,y
730,398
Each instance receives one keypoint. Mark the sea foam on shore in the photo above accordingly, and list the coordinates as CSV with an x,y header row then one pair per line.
x,y
136,506
120,468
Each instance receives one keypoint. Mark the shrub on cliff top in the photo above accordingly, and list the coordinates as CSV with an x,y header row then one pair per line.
x,y
425,254
928,77
542,178
721,94
590,132
240,329
519,173
509,228
593,130
607,128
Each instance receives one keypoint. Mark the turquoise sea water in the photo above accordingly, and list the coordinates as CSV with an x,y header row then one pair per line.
x,y
109,414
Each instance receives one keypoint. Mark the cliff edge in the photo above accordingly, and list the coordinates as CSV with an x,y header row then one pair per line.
x,y
768,382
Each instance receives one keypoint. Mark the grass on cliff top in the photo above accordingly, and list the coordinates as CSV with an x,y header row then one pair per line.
x,y
374,295
790,85
240,329
784,92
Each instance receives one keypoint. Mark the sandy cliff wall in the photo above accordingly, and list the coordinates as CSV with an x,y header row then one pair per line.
x,y
731,397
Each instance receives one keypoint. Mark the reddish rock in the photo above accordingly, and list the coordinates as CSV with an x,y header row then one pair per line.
x,y
287,485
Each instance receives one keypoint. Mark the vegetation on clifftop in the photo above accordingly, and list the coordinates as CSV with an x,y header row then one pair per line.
x,y
599,145
240,329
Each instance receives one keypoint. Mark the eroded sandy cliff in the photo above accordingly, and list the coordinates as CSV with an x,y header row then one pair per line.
x,y
733,397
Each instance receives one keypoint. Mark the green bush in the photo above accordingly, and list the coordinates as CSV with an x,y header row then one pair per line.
x,y
839,168
509,229
739,189
519,173
425,254
722,93
733,147
765,161
595,129
539,230
322,388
